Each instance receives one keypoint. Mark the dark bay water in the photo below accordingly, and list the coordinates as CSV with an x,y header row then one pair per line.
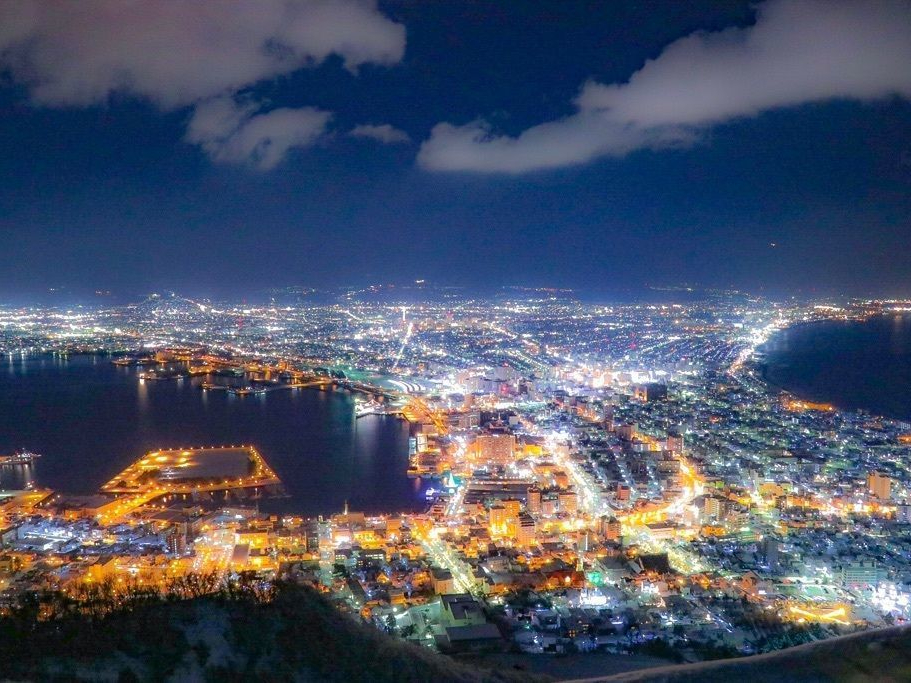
x,y
853,365
89,419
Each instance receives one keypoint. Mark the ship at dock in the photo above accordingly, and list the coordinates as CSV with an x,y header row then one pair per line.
x,y
236,391
364,408
133,361
19,458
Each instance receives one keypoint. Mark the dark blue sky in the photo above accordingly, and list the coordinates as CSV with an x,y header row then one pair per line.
x,y
107,194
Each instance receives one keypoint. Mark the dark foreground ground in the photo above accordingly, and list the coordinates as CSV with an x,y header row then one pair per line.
x,y
562,667
299,636
881,656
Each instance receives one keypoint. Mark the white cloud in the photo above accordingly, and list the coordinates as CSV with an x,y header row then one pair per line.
x,y
178,53
384,133
798,51
573,140
232,132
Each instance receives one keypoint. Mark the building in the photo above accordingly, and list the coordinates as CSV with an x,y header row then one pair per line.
x,y
903,513
85,507
610,528
627,432
716,507
568,502
675,442
549,506
474,638
513,507
662,530
650,392
465,420
504,518
498,517
526,531
879,485
464,625
770,550
533,500
862,573
460,609
496,449
443,583
177,539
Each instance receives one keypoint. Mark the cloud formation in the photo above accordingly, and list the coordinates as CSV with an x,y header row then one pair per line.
x,y
237,133
384,133
185,52
797,52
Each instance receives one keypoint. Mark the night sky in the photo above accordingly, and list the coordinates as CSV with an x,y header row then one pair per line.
x,y
223,148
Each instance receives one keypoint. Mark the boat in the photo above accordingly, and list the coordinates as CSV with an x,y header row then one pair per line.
x,y
129,361
368,408
246,391
19,458
159,376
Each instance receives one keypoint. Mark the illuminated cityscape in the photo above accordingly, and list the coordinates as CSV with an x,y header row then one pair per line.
x,y
599,476
485,341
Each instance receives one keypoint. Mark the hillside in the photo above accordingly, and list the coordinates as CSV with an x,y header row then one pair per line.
x,y
881,656
298,636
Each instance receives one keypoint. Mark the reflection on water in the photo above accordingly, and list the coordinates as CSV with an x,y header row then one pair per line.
x,y
89,419
17,477
854,365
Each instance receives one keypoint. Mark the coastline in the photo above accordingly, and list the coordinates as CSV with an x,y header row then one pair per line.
x,y
302,429
766,366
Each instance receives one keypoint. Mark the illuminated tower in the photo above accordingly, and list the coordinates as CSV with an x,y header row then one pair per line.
x,y
582,547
